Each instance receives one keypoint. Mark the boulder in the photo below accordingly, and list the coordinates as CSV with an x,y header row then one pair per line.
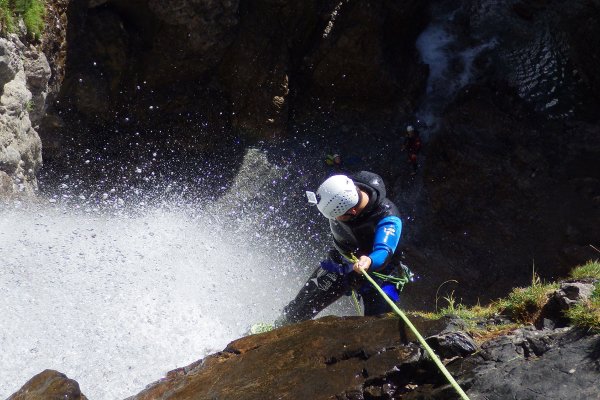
x,y
49,385
571,293
327,358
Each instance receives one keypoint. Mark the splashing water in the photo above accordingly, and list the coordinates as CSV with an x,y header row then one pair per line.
x,y
115,299
107,299
450,59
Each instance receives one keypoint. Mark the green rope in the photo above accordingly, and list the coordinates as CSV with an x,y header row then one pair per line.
x,y
398,281
429,350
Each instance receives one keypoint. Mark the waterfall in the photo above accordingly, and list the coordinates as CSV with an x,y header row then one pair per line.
x,y
116,293
450,58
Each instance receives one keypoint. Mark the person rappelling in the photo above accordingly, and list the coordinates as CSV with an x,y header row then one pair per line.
x,y
412,144
366,229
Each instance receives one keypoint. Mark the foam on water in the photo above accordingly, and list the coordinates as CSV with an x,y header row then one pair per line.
x,y
116,299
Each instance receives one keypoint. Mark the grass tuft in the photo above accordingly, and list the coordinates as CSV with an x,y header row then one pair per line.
x,y
34,18
455,309
32,12
590,270
7,19
523,305
586,315
490,331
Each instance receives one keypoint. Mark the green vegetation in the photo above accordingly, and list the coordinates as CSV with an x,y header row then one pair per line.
x,y
7,19
455,309
591,270
587,314
523,306
31,11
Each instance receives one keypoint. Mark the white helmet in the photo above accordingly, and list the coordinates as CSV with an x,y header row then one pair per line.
x,y
410,128
336,195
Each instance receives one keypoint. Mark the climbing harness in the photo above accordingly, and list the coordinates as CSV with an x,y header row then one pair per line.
x,y
429,350
398,282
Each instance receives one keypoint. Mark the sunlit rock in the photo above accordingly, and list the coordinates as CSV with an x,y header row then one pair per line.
x,y
20,145
37,71
318,359
49,385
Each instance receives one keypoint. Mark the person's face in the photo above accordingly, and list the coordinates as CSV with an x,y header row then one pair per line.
x,y
348,215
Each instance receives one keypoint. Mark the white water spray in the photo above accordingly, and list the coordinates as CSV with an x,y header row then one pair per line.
x,y
450,65
116,299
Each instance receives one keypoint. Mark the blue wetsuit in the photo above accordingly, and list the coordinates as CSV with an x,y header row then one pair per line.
x,y
375,232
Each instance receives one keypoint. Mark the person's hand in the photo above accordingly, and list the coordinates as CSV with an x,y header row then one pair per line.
x,y
362,264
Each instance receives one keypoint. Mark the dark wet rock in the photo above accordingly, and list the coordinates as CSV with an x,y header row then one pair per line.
x,y
54,42
545,49
242,64
200,70
366,57
509,181
259,67
560,365
451,344
49,385
528,363
501,186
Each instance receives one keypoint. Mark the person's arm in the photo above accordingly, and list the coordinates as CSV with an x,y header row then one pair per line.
x,y
336,262
387,237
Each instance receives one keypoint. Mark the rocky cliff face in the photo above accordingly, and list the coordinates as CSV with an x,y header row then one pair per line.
x,y
380,358
26,80
24,72
510,181
242,64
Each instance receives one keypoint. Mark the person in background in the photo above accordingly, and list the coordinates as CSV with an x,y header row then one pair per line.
x,y
366,228
333,160
412,144
335,163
